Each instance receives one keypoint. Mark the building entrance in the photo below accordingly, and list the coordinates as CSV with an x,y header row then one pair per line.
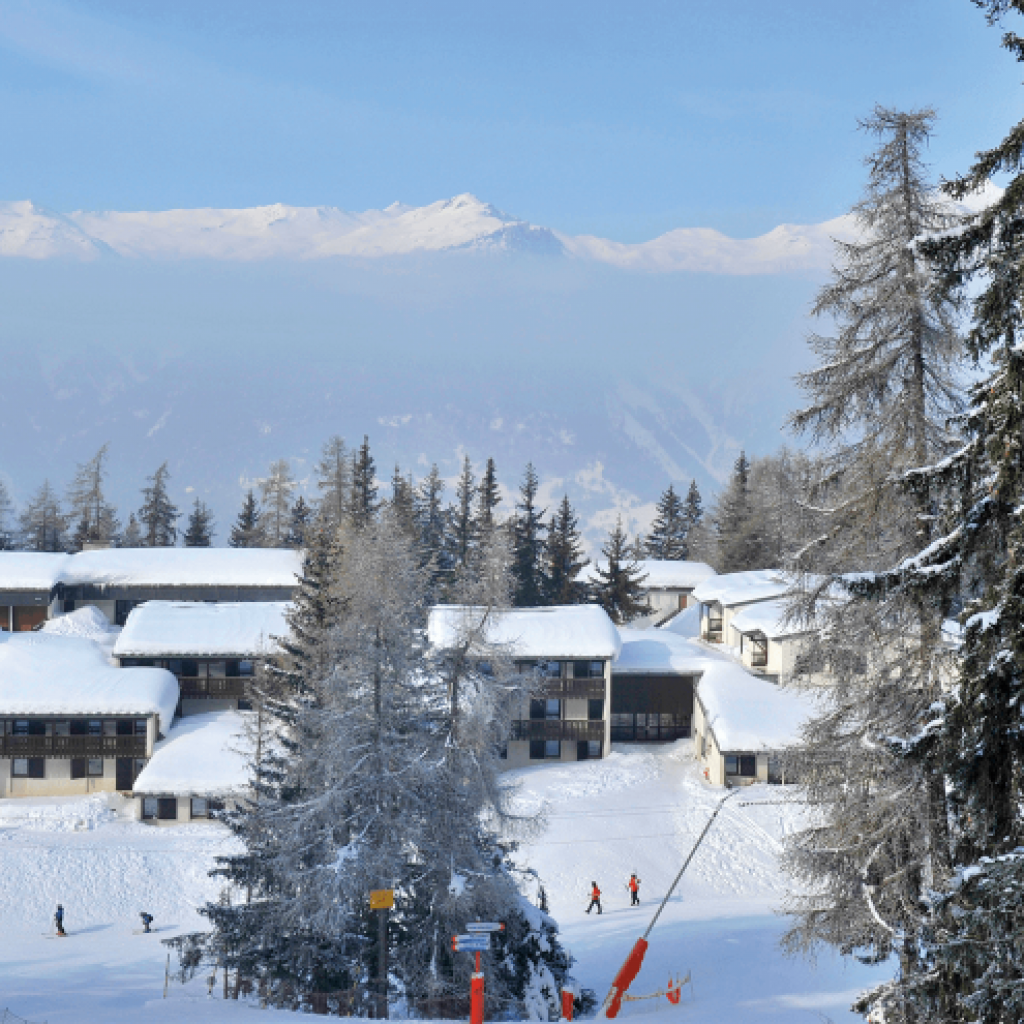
x,y
649,708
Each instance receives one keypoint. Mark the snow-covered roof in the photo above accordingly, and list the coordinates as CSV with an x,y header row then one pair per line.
x,y
748,713
742,587
659,652
30,570
662,574
182,567
770,618
685,622
567,631
43,674
86,623
173,629
202,755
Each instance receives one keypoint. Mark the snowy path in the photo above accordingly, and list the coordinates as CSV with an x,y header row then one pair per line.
x,y
637,810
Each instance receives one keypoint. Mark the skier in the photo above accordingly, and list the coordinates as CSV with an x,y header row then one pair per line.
x,y
58,920
633,885
147,920
595,898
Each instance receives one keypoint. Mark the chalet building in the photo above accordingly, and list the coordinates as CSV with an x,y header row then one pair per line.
x,y
29,589
722,597
197,770
769,641
742,724
72,723
668,586
211,649
571,648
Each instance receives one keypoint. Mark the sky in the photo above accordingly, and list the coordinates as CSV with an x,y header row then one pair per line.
x,y
621,119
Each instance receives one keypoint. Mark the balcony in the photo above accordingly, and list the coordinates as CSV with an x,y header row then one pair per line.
x,y
556,729
201,688
72,746
566,689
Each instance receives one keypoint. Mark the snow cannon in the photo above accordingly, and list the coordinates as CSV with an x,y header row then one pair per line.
x,y
627,973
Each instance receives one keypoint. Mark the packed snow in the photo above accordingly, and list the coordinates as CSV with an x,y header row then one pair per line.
x,y
737,588
197,567
173,629
569,631
749,713
86,623
203,755
42,674
639,810
661,574
660,652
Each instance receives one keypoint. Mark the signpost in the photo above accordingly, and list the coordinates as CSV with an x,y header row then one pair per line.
x,y
477,941
382,900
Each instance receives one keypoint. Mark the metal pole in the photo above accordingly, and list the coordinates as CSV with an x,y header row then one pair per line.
x,y
686,863
383,963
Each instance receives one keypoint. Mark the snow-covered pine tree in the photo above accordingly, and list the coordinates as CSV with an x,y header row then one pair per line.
x,y
158,516
334,481
564,559
93,518
738,529
880,400
433,523
132,535
618,588
667,539
199,533
693,509
403,500
488,498
299,521
276,504
247,531
528,544
363,504
42,523
465,528
6,511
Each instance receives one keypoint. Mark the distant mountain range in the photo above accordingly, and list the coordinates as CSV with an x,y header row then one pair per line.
x,y
462,223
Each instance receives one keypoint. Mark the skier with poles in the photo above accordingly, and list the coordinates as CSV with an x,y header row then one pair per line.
x,y
58,920
633,885
595,898
147,920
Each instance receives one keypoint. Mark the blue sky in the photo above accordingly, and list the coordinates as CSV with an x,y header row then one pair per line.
x,y
623,119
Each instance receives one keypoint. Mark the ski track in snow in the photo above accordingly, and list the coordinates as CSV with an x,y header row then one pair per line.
x,y
721,924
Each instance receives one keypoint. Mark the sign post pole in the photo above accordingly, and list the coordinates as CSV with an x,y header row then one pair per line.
x,y
382,900
476,995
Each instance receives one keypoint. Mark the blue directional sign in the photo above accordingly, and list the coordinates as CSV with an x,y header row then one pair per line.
x,y
472,943
485,926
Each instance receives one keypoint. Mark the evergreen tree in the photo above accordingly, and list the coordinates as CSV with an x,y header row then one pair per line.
x,y
434,529
489,498
465,526
564,559
132,537
247,531
334,481
158,515
618,588
6,509
43,523
667,540
403,501
363,504
739,531
199,533
299,522
95,520
880,400
693,510
528,545
276,504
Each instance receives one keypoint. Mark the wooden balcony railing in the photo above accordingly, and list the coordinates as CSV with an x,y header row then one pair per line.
x,y
197,688
555,729
72,746
566,689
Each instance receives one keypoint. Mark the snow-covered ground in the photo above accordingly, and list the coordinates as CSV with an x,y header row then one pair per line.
x,y
638,810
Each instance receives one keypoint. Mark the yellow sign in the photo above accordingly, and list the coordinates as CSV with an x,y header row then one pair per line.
x,y
382,899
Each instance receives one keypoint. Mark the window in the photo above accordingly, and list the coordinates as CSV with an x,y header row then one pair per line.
x,y
552,748
62,728
21,727
246,668
110,727
216,669
744,765
198,808
167,808
587,750
79,727
550,669
588,669
28,768
78,767
536,750
595,709
149,807
95,767
95,727
140,727
544,750
125,727
190,669
545,710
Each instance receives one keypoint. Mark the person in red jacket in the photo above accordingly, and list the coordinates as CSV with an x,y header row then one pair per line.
x,y
595,898
633,885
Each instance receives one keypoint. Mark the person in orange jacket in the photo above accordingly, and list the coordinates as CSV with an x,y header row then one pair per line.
x,y
595,898
633,885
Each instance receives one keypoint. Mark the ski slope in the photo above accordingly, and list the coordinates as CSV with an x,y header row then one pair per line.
x,y
639,809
